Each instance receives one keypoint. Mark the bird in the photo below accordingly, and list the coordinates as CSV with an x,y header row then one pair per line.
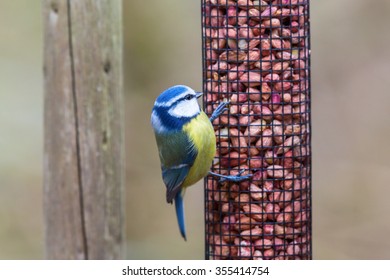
x,y
186,143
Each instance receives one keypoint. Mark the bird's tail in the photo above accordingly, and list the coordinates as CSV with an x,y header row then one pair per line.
x,y
179,205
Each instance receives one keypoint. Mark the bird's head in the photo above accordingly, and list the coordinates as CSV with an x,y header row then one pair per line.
x,y
174,107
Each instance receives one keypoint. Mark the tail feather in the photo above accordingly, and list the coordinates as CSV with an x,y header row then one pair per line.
x,y
179,205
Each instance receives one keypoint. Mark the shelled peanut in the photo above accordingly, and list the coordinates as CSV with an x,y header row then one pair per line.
x,y
256,55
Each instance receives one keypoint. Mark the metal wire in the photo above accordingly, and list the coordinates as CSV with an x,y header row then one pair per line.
x,y
256,54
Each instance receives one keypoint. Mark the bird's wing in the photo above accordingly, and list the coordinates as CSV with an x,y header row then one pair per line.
x,y
173,179
177,155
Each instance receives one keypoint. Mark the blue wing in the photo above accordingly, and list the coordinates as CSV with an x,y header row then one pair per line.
x,y
177,155
173,178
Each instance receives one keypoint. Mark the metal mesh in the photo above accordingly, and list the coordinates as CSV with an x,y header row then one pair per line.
x,y
257,55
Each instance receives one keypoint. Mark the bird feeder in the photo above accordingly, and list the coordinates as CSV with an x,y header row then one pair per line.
x,y
256,55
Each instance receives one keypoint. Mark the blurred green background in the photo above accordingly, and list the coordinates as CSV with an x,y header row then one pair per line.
x,y
351,128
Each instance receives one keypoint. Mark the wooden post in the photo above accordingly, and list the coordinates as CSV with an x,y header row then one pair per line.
x,y
84,131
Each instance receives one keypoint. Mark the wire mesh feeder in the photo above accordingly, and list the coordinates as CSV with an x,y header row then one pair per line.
x,y
257,55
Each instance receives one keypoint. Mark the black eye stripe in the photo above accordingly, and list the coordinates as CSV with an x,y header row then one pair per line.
x,y
187,97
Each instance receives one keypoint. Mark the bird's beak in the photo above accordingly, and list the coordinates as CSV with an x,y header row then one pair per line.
x,y
199,94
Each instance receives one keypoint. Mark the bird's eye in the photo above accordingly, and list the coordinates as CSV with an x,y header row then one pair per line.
x,y
188,97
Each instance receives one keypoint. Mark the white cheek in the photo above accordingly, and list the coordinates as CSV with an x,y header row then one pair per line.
x,y
186,108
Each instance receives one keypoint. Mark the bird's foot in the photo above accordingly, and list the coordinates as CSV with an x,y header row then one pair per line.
x,y
232,178
219,110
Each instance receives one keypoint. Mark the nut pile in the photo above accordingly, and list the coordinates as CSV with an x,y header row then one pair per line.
x,y
256,55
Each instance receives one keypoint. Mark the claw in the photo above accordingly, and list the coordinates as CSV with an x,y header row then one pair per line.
x,y
232,178
219,110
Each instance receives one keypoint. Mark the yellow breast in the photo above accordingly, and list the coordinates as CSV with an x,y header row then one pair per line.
x,y
201,132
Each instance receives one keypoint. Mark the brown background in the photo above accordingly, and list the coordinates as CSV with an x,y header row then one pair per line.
x,y
351,112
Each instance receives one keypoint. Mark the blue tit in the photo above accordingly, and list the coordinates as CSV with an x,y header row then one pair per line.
x,y
186,143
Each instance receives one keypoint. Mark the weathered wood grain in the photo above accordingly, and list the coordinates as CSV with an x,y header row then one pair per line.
x,y
84,135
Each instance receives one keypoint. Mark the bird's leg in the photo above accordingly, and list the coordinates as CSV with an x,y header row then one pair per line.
x,y
232,178
219,110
